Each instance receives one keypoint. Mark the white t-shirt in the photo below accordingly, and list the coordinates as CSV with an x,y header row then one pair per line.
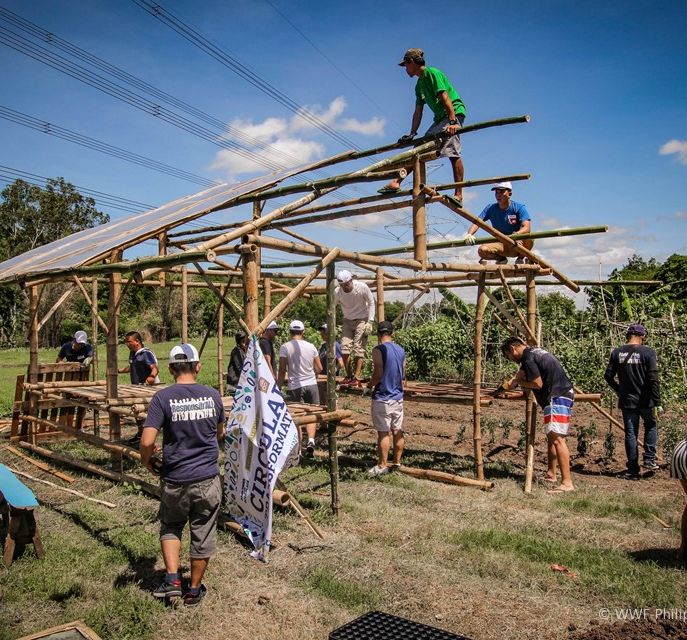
x,y
359,304
300,355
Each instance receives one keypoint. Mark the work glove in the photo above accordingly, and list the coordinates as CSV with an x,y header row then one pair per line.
x,y
658,410
468,238
506,385
367,330
406,138
86,363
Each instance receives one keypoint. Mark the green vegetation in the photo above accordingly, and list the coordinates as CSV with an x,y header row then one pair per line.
x,y
347,593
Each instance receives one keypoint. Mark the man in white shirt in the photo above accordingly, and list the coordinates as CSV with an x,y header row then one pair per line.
x,y
358,306
302,361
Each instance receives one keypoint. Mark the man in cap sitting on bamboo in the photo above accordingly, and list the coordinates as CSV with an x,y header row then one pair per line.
x,y
435,90
508,217
358,306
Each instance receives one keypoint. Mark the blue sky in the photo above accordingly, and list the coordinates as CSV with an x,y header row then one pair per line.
x,y
604,84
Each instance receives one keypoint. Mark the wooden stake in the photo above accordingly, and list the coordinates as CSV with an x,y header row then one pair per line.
x,y
477,381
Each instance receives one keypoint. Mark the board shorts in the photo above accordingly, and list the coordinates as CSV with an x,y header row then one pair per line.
x,y
678,462
558,413
387,415
198,504
452,146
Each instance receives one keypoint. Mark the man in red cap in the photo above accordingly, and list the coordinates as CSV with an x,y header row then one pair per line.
x,y
632,372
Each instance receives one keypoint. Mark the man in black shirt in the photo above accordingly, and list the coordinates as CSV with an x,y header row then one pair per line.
x,y
541,372
266,343
639,395
236,359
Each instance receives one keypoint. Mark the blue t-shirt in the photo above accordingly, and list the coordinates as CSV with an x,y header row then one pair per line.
x,y
70,354
508,221
140,365
323,355
390,387
188,415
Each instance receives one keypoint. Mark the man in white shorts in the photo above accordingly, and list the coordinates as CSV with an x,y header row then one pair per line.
x,y
302,361
389,362
358,306
542,373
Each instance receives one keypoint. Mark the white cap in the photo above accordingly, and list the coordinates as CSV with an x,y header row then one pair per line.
x,y
80,337
296,325
503,185
184,353
273,325
344,276
322,327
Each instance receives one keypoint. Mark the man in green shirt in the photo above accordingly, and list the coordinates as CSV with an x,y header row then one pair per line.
x,y
434,89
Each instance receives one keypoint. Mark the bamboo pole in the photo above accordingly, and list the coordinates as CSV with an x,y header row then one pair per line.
x,y
289,299
509,293
220,344
258,206
523,329
92,468
477,381
162,244
380,294
58,303
250,286
114,295
410,305
184,304
507,240
419,213
95,319
41,465
111,505
33,334
267,293
530,405
331,387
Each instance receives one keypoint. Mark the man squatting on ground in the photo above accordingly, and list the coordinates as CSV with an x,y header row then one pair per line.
x,y
191,418
302,361
77,350
388,374
434,89
508,217
678,470
541,372
639,395
358,306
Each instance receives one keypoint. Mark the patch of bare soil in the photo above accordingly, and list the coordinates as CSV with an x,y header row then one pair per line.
x,y
648,629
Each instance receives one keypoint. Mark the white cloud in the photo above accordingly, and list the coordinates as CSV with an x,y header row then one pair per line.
x,y
680,215
330,116
373,127
675,146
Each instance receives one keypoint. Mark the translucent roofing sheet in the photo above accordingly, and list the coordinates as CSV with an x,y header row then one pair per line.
x,y
91,245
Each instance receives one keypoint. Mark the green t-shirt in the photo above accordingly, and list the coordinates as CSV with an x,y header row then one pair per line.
x,y
429,85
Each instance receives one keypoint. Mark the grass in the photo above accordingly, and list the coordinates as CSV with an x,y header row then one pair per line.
x,y
323,582
606,572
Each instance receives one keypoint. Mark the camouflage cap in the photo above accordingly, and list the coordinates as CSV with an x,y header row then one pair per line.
x,y
412,55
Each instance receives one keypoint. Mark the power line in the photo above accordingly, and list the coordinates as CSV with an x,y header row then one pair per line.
x,y
81,54
102,147
235,66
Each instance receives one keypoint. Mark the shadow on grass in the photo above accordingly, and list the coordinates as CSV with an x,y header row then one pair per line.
x,y
666,558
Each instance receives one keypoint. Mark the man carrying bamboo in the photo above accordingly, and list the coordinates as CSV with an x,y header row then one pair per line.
x,y
544,374
435,90
508,217
358,306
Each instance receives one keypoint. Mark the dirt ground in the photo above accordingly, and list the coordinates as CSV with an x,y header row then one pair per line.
x,y
401,545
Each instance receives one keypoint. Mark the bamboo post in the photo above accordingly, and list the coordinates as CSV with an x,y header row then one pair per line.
x,y
250,286
267,291
419,212
162,244
530,405
380,294
114,293
184,303
257,212
331,386
477,380
94,325
220,344
33,334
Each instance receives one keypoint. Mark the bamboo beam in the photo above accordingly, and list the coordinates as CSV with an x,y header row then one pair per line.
x,y
507,240
410,305
380,294
419,213
41,465
530,405
59,302
289,299
92,303
332,425
477,381
509,293
95,320
33,334
267,293
523,329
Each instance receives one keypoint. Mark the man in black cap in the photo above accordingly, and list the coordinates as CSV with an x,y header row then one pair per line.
x,y
435,90
639,396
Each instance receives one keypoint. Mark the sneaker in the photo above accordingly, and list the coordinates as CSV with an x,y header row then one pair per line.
x,y
378,471
346,381
310,450
502,261
193,599
355,384
651,466
628,475
168,589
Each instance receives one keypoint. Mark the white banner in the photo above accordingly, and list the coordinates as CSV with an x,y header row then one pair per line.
x,y
261,441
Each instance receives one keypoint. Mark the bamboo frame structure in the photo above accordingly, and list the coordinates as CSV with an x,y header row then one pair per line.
x,y
182,251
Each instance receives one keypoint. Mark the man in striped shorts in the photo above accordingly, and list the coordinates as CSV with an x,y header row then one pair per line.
x,y
678,470
542,373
